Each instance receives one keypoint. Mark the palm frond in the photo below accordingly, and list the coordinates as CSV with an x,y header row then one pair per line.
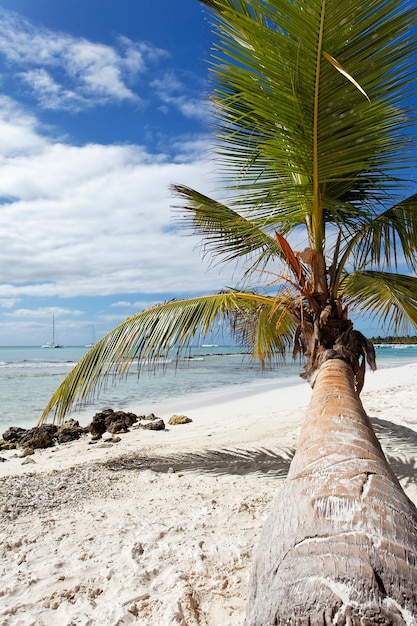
x,y
269,120
376,239
392,297
265,328
225,232
166,330
394,231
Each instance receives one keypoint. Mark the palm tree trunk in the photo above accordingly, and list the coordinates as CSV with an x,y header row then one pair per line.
x,y
340,545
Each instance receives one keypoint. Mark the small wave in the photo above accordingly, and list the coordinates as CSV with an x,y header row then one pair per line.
x,y
158,361
36,364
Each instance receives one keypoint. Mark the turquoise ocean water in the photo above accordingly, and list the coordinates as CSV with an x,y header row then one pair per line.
x,y
29,376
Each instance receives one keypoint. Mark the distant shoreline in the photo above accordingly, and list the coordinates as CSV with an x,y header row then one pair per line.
x,y
410,340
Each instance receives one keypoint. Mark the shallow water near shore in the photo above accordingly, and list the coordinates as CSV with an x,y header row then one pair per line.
x,y
30,375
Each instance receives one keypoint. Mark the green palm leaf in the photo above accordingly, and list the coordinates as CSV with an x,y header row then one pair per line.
x,y
225,232
169,329
392,297
377,239
392,232
284,112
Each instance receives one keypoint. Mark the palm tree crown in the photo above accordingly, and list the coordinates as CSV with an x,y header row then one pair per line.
x,y
313,116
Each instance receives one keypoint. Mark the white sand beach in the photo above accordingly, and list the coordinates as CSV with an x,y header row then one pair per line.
x,y
158,529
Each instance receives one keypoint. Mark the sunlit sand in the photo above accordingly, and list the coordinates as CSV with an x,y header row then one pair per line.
x,y
158,529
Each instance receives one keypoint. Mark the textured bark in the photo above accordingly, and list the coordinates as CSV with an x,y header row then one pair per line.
x,y
340,545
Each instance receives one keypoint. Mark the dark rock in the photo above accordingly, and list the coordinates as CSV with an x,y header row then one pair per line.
x,y
151,416
98,424
39,437
130,418
112,440
157,424
3,460
69,433
112,421
117,427
14,434
71,423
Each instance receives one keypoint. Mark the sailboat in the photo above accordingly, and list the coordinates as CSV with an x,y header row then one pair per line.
x,y
52,344
93,338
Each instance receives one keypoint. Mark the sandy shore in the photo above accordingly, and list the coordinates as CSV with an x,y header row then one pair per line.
x,y
158,529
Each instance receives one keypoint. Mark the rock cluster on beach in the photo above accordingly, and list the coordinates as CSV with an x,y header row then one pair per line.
x,y
108,420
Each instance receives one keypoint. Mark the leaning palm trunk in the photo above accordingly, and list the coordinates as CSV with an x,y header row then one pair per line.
x,y
340,545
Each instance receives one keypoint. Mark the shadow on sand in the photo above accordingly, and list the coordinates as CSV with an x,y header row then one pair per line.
x,y
398,442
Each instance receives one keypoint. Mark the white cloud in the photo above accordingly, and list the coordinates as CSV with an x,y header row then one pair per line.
x,y
49,93
42,312
95,220
91,220
139,305
8,303
19,131
174,93
68,72
121,303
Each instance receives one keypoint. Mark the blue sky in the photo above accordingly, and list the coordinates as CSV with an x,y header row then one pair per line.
x,y
102,106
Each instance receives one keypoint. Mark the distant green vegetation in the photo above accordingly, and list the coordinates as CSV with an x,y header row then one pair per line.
x,y
408,340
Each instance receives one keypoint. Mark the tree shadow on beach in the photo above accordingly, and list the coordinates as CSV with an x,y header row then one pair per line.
x,y
224,461
399,444
400,447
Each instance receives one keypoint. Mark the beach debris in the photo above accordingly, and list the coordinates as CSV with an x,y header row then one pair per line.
x,y
179,419
46,492
137,551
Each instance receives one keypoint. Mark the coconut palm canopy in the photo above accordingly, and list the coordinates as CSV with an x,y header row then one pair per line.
x,y
313,120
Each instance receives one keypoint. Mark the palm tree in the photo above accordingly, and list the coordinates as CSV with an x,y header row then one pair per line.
x,y
313,118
